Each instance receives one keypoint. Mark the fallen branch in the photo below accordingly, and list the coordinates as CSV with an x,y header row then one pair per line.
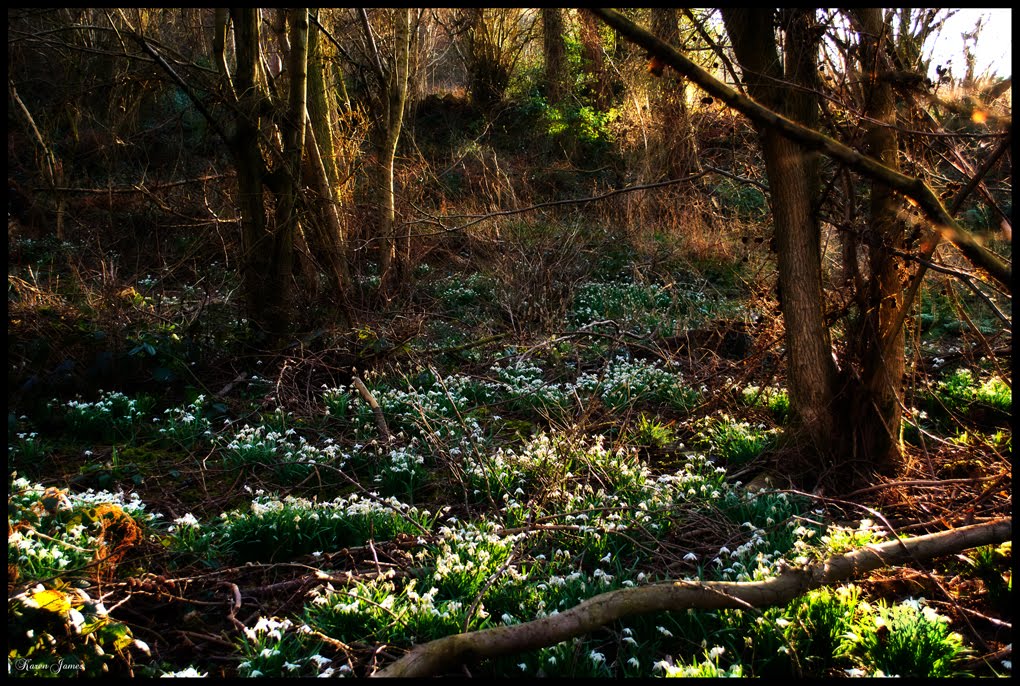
x,y
380,419
433,657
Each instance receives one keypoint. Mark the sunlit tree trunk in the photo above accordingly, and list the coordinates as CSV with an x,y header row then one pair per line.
x,y
395,243
880,343
593,60
267,261
554,52
676,154
793,178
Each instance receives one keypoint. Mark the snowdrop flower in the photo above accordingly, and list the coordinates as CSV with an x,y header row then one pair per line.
x,y
690,557
661,666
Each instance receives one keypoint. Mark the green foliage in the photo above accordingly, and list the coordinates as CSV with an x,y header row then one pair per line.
x,y
465,296
739,200
272,529
167,352
61,632
585,125
777,400
735,441
652,433
338,402
993,565
26,449
114,416
624,383
960,392
187,426
645,309
708,668
908,640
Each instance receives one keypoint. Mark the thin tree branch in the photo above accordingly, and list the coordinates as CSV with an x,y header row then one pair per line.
x,y
913,188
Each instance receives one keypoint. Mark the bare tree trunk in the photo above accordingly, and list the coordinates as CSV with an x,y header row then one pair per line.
x,y
676,155
256,234
321,104
395,248
881,347
593,60
554,51
792,174
267,262
328,237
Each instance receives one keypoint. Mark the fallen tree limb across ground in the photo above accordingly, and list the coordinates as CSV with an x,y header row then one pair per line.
x,y
434,657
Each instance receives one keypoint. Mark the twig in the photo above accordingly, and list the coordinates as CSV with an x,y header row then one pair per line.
x,y
485,587
919,482
380,419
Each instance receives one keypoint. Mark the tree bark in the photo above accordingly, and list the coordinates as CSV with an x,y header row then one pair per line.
x,y
262,294
881,344
676,153
395,244
793,183
554,52
593,61
432,658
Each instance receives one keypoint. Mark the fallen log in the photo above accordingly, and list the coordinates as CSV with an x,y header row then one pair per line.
x,y
435,656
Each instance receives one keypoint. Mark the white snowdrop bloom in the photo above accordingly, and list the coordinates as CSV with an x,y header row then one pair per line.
x,y
664,631
715,652
606,558
782,622
189,673
188,519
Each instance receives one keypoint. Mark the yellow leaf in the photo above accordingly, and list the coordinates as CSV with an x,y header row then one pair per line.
x,y
54,601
